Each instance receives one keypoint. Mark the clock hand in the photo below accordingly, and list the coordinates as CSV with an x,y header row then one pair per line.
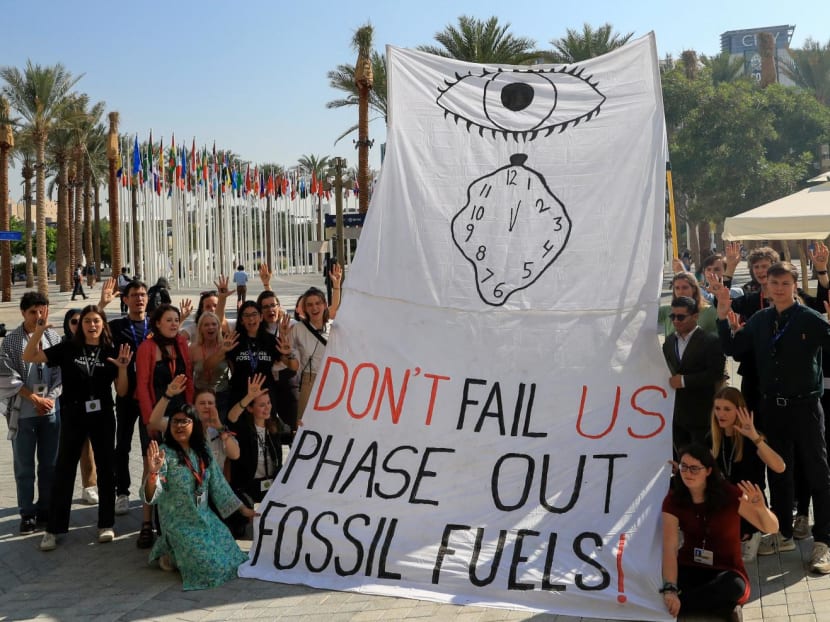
x,y
514,215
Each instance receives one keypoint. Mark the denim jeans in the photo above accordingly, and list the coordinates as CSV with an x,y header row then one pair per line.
x,y
36,436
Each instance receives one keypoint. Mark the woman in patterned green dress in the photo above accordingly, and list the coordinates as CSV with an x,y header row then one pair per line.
x,y
181,477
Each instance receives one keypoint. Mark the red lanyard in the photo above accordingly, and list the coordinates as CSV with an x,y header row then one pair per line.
x,y
200,476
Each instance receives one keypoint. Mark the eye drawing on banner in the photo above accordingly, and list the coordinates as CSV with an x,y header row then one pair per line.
x,y
513,227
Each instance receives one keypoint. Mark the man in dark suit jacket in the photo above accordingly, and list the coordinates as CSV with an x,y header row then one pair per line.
x,y
695,360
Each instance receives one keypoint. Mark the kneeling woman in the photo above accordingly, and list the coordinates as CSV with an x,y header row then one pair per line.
x,y
181,478
705,573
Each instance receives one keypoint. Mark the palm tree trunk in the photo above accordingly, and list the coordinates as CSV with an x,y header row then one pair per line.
x,y
5,222
90,260
40,217
112,194
27,223
64,252
77,244
363,150
6,143
96,238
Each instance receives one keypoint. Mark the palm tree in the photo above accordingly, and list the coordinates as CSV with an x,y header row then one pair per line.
x,y
40,96
25,152
480,41
96,153
576,46
723,67
84,125
6,145
60,147
364,80
343,79
810,69
112,192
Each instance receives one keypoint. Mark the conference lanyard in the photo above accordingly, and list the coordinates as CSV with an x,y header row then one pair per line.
x,y
135,335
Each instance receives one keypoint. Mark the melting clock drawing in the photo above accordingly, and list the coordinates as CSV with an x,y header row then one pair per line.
x,y
513,227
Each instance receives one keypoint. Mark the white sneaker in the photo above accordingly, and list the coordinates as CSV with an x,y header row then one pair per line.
x,y
749,548
90,495
775,543
801,528
49,542
106,534
122,504
820,558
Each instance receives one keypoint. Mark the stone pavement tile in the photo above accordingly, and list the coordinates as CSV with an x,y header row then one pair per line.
x,y
820,596
801,607
775,611
753,614
818,582
822,616
774,598
370,616
806,617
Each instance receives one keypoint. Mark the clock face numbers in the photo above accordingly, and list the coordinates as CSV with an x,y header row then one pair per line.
x,y
511,230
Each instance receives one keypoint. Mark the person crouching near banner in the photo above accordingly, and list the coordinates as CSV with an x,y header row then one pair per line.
x,y
181,479
739,460
705,572
260,450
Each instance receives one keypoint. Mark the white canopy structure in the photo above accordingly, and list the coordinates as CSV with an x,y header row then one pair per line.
x,y
804,215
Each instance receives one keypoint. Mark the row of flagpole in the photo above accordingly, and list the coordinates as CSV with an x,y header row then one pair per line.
x,y
198,218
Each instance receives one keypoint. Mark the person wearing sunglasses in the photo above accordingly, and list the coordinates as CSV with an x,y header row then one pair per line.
x,y
685,284
183,480
704,573
696,362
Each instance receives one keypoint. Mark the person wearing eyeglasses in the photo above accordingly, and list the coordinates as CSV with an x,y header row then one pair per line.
x,y
256,351
183,480
696,361
705,573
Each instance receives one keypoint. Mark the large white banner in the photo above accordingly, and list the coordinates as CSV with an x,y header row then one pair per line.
x,y
492,422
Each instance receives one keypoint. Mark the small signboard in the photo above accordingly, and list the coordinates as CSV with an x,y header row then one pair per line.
x,y
349,220
11,236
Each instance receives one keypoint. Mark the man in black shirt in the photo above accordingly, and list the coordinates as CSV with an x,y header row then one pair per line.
x,y
786,340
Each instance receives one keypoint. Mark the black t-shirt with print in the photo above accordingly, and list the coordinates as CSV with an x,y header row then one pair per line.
x,y
86,373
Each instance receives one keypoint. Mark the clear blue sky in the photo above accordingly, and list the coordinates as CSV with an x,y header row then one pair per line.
x,y
252,74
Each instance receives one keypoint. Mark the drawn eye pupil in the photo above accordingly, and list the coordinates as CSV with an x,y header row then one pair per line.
x,y
517,96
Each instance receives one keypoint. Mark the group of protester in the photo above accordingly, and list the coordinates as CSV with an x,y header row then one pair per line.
x,y
213,400
729,442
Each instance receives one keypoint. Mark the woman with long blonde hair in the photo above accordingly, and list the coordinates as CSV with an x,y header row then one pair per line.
x,y
733,427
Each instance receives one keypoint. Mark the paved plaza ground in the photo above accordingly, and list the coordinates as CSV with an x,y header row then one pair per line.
x,y
83,580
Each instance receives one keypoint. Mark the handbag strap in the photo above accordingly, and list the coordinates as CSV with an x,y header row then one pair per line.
x,y
315,332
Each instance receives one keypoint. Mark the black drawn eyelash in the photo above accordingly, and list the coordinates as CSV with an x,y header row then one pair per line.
x,y
524,103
